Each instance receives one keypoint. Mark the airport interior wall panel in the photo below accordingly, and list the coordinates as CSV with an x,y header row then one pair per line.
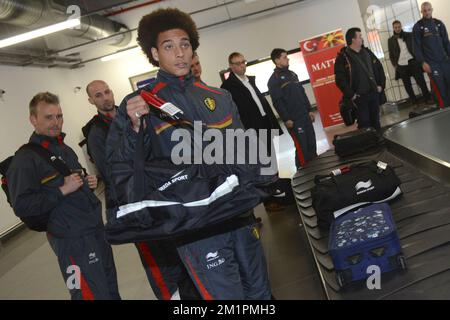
x,y
422,216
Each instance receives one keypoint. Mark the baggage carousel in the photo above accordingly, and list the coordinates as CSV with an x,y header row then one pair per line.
x,y
419,151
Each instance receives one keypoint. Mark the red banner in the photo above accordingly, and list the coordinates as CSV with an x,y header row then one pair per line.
x,y
320,54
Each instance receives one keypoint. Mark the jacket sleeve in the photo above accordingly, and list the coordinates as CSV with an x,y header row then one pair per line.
x,y
418,51
306,101
121,139
237,123
28,197
342,77
379,71
391,52
445,40
279,102
96,145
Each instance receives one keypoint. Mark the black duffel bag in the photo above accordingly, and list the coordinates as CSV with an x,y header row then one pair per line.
x,y
348,111
357,141
352,187
156,199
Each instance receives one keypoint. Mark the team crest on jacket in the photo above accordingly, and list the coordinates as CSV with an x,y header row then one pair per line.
x,y
210,103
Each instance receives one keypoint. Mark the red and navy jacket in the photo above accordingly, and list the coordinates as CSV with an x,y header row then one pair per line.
x,y
34,189
199,102
288,95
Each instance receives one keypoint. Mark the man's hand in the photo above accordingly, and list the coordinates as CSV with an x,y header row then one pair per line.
x,y
379,89
92,181
356,96
312,116
289,124
71,184
136,108
426,67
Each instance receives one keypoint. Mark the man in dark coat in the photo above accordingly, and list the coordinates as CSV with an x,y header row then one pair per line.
x,y
254,110
360,77
401,53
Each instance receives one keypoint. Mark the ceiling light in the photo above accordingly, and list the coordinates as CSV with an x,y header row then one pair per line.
x,y
39,32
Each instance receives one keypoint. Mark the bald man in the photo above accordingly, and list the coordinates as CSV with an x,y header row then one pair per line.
x,y
152,253
432,50
95,131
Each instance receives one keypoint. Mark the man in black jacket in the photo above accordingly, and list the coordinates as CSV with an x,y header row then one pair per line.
x,y
75,228
160,266
254,110
360,77
406,66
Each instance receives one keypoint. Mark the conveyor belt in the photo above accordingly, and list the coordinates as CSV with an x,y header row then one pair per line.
x,y
422,216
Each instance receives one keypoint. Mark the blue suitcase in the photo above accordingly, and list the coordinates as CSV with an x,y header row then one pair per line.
x,y
363,238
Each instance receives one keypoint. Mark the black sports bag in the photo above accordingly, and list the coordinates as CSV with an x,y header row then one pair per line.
x,y
156,199
355,142
352,187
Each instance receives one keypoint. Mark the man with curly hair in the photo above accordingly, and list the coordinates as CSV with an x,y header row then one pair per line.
x,y
225,261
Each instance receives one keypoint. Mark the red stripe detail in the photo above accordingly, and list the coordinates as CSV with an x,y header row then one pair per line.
x,y
156,272
4,181
201,86
205,294
298,148
158,87
60,140
222,122
437,92
45,144
86,292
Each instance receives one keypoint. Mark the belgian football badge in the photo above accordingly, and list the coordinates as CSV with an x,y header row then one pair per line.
x,y
210,103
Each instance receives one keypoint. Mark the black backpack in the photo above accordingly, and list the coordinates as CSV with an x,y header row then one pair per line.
x,y
38,222
95,121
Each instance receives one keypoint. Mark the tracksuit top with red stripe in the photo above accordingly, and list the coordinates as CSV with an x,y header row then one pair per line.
x,y
199,102
34,189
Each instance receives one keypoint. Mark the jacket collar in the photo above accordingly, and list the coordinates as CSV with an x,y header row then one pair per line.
x,y
284,69
106,118
180,83
47,141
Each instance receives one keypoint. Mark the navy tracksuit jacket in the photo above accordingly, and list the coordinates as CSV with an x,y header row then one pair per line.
x,y
432,45
75,228
226,261
290,101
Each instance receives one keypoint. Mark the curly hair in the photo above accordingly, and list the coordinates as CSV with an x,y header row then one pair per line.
x,y
160,21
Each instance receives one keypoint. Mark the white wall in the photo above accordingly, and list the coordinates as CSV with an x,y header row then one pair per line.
x,y
254,37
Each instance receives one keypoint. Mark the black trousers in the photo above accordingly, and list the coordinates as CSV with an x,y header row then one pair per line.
x,y
368,111
413,69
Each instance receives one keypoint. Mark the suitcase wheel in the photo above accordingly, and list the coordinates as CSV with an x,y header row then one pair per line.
x,y
401,262
340,279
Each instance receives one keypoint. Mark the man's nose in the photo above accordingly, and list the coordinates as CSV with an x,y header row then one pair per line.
x,y
178,51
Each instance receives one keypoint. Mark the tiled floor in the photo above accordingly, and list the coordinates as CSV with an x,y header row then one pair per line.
x,y
29,270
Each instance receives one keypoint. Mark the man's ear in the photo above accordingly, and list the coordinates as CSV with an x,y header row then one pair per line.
x,y
91,101
155,54
33,120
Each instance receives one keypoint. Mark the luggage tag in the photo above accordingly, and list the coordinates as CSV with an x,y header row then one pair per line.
x,y
382,166
166,108
340,171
